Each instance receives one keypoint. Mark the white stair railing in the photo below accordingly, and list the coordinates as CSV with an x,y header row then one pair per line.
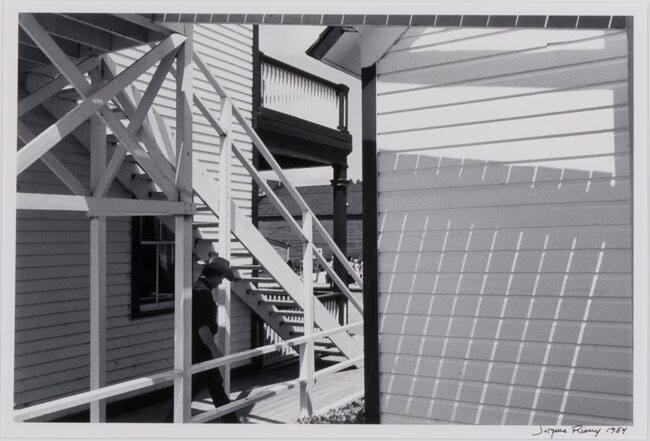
x,y
298,199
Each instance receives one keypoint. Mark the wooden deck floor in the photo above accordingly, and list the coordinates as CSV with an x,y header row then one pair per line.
x,y
281,408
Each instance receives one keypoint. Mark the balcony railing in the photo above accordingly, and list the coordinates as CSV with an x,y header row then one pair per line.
x,y
298,93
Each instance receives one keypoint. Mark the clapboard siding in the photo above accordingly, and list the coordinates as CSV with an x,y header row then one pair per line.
x,y
52,249
505,227
229,55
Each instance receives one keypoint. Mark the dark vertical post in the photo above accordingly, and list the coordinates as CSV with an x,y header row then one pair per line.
x,y
370,270
340,228
342,95
257,102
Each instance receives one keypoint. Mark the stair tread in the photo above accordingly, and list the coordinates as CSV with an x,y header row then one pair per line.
x,y
331,351
246,267
287,312
205,224
279,302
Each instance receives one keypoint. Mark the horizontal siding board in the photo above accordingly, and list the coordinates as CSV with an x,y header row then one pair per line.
x,y
565,124
483,44
594,75
515,108
609,285
501,64
505,288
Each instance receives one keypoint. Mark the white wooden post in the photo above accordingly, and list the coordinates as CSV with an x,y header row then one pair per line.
x,y
183,238
97,265
307,349
224,230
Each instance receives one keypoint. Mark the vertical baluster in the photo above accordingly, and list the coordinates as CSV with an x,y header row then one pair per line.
x,y
283,91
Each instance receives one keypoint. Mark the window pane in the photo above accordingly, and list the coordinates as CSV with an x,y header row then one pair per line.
x,y
148,229
166,268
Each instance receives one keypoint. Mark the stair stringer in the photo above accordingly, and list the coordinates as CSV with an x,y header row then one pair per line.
x,y
269,258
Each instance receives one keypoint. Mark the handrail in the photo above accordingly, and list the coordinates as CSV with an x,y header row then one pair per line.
x,y
217,362
270,159
93,395
143,382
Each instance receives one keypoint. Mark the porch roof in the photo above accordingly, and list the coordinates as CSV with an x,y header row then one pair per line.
x,y
350,48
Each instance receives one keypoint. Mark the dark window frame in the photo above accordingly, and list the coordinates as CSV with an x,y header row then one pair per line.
x,y
141,262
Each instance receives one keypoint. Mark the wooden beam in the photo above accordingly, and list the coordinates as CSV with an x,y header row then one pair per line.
x,y
273,347
275,200
110,172
138,116
50,89
225,225
97,315
53,134
102,206
161,134
208,75
55,166
183,238
87,397
307,350
208,115
98,258
184,101
126,100
183,241
80,83
337,280
370,262
97,137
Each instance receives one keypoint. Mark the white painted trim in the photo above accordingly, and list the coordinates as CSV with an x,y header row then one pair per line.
x,y
102,206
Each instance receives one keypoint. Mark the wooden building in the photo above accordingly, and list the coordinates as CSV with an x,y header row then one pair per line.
x,y
503,154
505,213
137,157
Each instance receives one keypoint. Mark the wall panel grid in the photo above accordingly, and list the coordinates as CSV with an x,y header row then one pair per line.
x,y
505,227
52,283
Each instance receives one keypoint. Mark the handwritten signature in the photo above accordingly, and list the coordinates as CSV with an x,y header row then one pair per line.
x,y
579,429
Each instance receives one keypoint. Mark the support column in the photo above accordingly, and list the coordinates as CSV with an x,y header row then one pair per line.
x,y
340,227
225,224
307,349
97,263
370,237
183,238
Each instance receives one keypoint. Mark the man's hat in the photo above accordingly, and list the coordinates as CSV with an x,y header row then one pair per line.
x,y
221,265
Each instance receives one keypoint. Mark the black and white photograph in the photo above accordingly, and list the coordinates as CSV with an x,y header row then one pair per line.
x,y
364,220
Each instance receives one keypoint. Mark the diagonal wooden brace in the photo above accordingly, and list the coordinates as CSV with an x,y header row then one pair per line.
x,y
94,102
55,166
50,89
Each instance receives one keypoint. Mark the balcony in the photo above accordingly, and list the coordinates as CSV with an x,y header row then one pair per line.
x,y
302,118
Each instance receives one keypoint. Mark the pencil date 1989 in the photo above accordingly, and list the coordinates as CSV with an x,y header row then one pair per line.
x,y
579,430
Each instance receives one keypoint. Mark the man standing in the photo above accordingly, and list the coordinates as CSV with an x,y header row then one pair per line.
x,y
204,328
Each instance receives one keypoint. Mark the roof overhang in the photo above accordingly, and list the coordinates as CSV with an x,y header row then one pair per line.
x,y
351,48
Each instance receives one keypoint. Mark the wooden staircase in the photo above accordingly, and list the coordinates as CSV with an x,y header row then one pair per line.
x,y
276,297
275,292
